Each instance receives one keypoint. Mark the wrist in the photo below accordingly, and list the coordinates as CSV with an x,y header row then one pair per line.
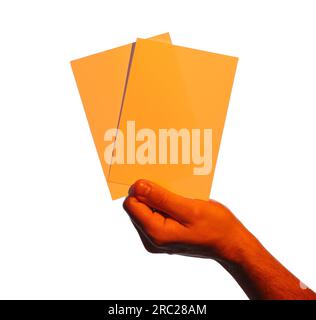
x,y
238,245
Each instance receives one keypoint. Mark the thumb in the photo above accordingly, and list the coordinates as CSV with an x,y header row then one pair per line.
x,y
159,198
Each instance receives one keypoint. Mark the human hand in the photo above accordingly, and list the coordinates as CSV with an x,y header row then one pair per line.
x,y
170,223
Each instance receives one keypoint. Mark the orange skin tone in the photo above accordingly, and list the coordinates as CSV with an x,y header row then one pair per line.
x,y
169,223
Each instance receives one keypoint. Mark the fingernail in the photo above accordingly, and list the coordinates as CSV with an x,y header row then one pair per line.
x,y
142,188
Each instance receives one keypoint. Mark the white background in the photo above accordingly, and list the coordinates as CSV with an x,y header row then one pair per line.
x,y
61,236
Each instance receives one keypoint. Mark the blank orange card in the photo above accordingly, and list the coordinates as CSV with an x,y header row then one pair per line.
x,y
101,79
175,87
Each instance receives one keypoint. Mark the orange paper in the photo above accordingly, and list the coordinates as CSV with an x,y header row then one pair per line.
x,y
101,79
175,87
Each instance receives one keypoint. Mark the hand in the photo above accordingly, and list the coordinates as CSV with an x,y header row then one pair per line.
x,y
169,223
